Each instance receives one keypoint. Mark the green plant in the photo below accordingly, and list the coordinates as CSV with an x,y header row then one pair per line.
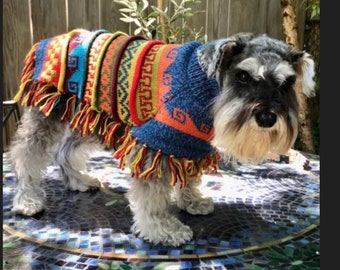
x,y
13,254
313,6
173,28
113,266
290,258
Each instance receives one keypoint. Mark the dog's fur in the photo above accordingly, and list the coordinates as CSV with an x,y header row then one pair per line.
x,y
255,113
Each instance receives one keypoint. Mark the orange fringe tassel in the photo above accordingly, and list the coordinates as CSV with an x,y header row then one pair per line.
x,y
180,168
155,168
137,164
69,108
28,70
51,100
84,117
123,151
177,171
26,74
108,139
104,124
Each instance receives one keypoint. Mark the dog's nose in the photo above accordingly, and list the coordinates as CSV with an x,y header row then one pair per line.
x,y
265,119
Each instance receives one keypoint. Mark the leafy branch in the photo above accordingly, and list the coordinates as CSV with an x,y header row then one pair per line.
x,y
313,6
159,22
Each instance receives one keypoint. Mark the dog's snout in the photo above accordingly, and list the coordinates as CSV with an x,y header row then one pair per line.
x,y
265,119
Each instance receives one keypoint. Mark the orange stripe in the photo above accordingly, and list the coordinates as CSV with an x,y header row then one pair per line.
x,y
188,126
92,71
51,71
163,62
105,42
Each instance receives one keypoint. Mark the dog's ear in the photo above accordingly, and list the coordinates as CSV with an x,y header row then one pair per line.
x,y
212,55
304,67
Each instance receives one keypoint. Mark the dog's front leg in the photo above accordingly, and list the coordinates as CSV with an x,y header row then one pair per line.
x,y
29,196
31,152
192,200
149,201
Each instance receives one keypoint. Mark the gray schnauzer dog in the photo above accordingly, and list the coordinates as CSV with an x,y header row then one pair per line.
x,y
167,112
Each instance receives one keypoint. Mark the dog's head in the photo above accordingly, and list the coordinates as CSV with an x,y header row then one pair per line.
x,y
256,110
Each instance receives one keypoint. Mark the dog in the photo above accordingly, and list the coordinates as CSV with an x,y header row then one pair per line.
x,y
168,112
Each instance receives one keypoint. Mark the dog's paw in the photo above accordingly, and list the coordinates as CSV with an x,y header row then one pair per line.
x,y
167,231
27,206
182,235
28,211
203,206
83,182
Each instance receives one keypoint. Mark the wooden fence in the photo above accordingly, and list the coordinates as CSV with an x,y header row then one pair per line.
x,y
28,21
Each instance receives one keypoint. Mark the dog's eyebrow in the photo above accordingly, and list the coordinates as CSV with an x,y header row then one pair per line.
x,y
253,67
282,71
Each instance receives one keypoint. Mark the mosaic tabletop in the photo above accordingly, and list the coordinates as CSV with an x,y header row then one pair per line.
x,y
266,217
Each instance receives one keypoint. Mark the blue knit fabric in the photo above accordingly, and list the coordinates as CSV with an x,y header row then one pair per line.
x,y
193,93
81,54
40,54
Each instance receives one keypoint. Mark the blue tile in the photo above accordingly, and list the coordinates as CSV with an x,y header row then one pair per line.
x,y
73,258
235,243
201,242
92,267
175,252
37,266
153,252
224,244
200,251
108,249
229,261
213,240
304,241
70,264
95,248
186,264
80,266
93,261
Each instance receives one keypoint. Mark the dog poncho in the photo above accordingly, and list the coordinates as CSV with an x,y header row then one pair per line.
x,y
128,90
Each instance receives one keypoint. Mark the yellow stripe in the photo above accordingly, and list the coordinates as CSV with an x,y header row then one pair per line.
x,y
94,102
63,62
122,110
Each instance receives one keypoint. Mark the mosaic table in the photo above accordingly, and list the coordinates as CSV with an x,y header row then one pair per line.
x,y
266,217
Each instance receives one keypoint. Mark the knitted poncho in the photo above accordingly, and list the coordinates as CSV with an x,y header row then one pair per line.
x,y
152,93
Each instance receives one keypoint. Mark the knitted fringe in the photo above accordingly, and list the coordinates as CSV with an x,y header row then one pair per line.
x,y
69,110
29,64
37,94
89,121
27,73
33,93
85,119
180,168
82,118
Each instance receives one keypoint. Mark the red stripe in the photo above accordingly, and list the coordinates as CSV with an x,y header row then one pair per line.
x,y
133,92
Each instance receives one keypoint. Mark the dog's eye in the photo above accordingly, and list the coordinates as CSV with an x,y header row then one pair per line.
x,y
243,77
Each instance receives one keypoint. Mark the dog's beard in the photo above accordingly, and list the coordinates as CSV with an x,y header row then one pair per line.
x,y
245,141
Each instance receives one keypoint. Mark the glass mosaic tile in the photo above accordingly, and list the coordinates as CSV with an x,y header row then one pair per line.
x,y
259,210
